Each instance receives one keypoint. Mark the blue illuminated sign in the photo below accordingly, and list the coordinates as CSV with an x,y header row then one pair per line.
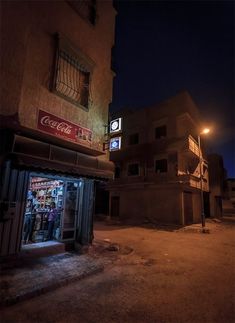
x,y
115,143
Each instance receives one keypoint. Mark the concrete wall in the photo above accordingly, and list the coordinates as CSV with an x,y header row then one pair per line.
x,y
179,113
215,206
139,205
196,207
28,29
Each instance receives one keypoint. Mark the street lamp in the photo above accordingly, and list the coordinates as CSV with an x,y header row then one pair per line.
x,y
204,132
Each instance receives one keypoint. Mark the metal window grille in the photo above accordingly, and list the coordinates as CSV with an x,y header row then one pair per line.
x,y
72,79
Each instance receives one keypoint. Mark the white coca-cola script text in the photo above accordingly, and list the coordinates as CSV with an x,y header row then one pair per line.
x,y
60,126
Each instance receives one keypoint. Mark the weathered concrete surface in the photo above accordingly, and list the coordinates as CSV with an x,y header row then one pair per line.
x,y
170,276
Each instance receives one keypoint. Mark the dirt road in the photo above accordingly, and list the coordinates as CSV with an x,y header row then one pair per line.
x,y
168,277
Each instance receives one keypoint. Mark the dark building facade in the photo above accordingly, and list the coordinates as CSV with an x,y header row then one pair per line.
x,y
159,177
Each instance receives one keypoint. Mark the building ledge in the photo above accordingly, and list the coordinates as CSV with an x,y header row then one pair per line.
x,y
12,124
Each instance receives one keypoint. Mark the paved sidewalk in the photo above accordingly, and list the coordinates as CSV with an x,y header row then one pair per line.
x,y
39,270
33,276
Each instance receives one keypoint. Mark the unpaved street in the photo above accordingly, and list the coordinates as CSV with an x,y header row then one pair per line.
x,y
168,277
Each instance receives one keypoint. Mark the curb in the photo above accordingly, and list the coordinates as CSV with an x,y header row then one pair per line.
x,y
48,288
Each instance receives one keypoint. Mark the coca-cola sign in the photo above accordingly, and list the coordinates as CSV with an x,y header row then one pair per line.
x,y
59,127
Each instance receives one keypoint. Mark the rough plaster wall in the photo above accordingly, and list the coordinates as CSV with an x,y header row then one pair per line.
x,y
14,37
134,123
196,208
34,37
212,205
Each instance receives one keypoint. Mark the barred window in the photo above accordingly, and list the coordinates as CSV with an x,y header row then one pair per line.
x,y
72,76
85,8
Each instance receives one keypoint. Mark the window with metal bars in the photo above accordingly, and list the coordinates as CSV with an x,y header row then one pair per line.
x,y
85,8
71,77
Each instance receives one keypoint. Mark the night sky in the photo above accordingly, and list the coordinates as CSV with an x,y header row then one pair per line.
x,y
163,47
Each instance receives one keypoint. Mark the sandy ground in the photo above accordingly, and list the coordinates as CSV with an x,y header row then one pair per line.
x,y
168,277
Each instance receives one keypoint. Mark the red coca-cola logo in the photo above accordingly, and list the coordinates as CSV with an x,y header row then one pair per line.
x,y
61,126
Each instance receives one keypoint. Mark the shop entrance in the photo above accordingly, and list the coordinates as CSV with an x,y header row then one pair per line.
x,y
74,199
52,209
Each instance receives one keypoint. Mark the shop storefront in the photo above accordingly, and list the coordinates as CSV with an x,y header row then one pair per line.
x,y
45,193
36,175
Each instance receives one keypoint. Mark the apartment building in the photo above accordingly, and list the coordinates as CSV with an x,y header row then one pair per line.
x,y
158,176
56,87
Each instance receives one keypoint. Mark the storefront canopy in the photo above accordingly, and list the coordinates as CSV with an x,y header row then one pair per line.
x,y
38,155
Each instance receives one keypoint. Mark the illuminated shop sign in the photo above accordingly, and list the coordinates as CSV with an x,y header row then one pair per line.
x,y
115,143
116,125
62,128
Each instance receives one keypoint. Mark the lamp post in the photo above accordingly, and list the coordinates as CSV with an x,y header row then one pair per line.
x,y
205,131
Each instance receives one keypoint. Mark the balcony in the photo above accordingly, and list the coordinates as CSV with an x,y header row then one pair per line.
x,y
194,181
185,145
190,147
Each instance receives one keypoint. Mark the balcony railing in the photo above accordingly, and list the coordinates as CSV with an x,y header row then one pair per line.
x,y
191,145
187,179
194,181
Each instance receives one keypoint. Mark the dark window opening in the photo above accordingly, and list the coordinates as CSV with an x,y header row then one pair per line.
x,y
134,139
85,8
133,169
160,132
117,172
161,166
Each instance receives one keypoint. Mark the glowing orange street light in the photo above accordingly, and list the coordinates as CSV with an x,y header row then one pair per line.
x,y
204,132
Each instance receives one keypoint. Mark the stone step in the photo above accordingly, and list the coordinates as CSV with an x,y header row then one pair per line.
x,y
42,248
